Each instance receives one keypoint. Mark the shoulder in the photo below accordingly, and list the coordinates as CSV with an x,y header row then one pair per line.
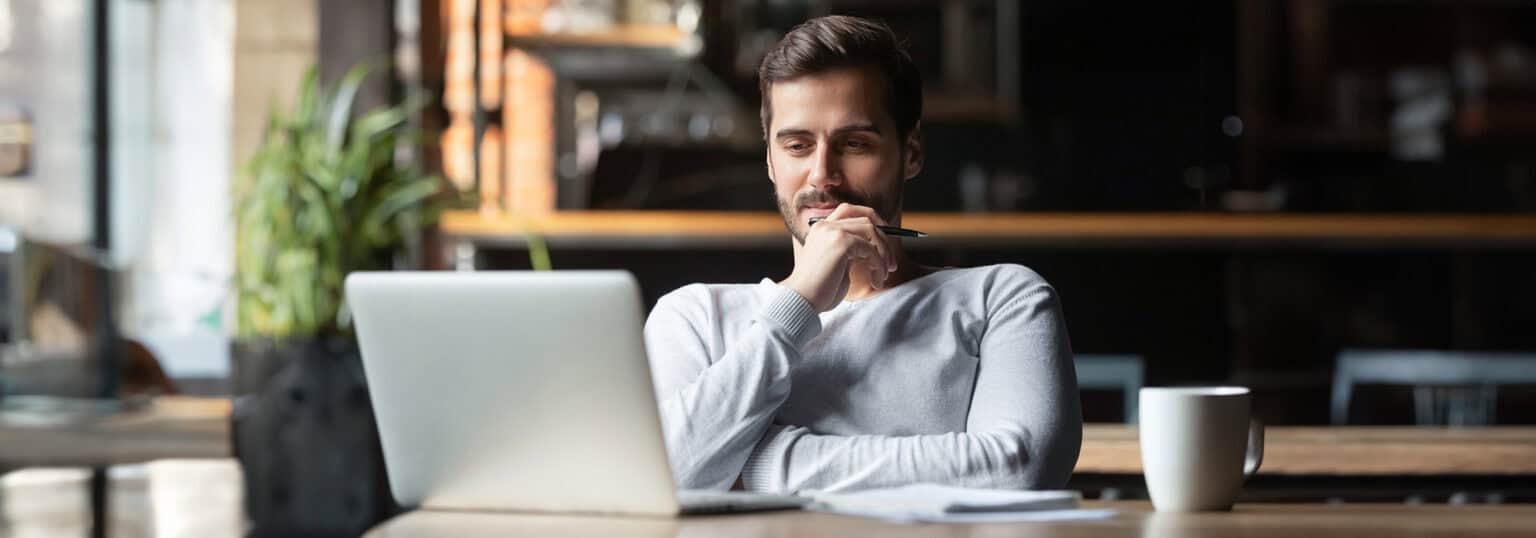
x,y
691,294
1003,278
1007,287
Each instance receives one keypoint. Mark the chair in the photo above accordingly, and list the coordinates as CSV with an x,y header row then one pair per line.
x,y
1449,387
1113,372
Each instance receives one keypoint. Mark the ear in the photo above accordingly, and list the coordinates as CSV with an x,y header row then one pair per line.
x,y
912,148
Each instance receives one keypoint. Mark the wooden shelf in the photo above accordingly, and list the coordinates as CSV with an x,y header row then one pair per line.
x,y
680,229
628,36
960,107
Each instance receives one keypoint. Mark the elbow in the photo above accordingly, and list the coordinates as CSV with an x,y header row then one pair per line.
x,y
1017,463
693,469
714,463
1057,456
1036,462
701,476
1006,464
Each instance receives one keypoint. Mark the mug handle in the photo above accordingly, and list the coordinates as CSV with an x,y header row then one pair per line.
x,y
1255,455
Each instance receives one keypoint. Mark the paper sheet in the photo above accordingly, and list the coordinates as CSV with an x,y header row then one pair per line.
x,y
948,504
1074,514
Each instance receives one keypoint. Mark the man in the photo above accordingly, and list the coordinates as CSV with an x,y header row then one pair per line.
x,y
862,368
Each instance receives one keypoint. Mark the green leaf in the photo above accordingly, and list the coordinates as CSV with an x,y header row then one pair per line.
x,y
379,122
323,195
308,103
341,105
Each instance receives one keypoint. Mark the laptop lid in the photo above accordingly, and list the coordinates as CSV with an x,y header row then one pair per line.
x,y
513,390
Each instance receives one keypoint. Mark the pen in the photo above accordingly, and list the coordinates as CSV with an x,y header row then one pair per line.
x,y
889,230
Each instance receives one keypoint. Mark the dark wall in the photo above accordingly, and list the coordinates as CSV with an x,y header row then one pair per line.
x,y
1123,100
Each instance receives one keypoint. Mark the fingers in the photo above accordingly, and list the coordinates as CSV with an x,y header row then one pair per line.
x,y
844,210
863,229
860,240
860,216
848,211
870,253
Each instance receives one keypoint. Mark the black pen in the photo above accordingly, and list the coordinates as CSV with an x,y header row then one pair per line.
x,y
889,230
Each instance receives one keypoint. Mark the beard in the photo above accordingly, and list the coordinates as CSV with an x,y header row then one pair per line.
x,y
887,205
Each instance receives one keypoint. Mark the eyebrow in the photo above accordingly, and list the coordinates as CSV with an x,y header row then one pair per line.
x,y
856,127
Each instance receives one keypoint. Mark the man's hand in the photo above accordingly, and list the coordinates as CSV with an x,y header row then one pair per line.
x,y
847,240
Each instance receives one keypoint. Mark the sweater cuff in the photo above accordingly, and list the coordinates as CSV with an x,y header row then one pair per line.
x,y
764,471
787,310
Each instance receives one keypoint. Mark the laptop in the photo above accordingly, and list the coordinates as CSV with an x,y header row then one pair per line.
x,y
522,391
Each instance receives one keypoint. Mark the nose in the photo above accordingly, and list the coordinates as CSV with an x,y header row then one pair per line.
x,y
825,168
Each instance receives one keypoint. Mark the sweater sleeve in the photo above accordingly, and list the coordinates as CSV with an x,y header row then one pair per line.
x,y
1023,430
714,409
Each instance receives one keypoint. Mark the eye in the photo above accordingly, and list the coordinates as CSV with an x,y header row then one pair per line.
x,y
797,147
856,145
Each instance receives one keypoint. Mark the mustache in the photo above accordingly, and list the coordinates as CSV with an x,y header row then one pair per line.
x,y
808,198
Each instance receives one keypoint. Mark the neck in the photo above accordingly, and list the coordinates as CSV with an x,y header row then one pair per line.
x,y
906,269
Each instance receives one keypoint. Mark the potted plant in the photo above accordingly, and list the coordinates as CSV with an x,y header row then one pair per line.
x,y
324,195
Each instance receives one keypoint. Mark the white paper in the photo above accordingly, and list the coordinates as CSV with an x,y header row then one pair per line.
x,y
937,503
1075,514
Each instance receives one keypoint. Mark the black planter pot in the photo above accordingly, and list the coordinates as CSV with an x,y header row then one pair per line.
x,y
304,432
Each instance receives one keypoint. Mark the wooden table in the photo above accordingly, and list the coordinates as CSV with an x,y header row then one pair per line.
x,y
170,427
1348,451
1358,464
1134,519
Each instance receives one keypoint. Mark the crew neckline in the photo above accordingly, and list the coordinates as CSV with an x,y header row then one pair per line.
x,y
847,304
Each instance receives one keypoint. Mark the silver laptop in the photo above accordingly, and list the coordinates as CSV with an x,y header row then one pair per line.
x,y
518,390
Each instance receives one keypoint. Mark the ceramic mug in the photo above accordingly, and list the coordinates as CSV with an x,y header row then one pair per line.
x,y
1198,446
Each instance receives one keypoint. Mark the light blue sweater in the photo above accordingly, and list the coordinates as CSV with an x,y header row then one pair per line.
x,y
961,377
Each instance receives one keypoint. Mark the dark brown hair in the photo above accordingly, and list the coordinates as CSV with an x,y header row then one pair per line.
x,y
835,41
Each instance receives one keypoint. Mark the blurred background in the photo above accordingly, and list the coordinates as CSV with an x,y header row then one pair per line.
x,y
1329,201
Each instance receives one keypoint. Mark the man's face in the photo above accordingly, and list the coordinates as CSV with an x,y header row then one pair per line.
x,y
831,141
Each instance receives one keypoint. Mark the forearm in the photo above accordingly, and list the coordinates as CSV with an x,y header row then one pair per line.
x,y
713,416
711,425
792,459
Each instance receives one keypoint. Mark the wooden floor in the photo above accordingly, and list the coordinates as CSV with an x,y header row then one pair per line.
x,y
165,498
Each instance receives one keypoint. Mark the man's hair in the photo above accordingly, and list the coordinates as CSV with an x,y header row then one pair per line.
x,y
826,43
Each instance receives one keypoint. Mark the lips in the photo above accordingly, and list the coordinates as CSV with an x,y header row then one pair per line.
x,y
820,203
812,212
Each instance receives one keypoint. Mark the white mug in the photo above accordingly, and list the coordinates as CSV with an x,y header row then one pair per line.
x,y
1198,445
